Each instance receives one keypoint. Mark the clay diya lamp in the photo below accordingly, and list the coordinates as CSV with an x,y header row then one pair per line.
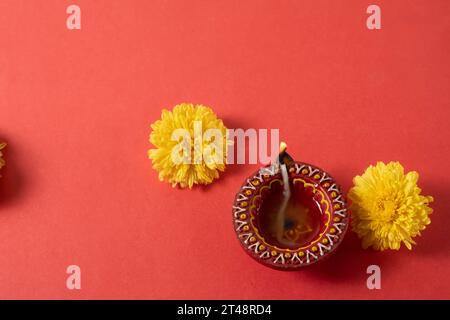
x,y
290,214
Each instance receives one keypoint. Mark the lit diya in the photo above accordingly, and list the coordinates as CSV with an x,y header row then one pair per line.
x,y
290,214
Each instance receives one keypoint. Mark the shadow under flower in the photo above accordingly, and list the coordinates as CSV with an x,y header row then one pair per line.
x,y
434,240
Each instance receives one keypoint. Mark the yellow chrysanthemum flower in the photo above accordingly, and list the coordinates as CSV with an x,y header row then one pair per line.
x,y
2,161
387,208
194,169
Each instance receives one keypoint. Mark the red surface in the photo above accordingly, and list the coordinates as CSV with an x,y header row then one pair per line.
x,y
75,108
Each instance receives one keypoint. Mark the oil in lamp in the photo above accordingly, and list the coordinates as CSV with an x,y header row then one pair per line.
x,y
289,214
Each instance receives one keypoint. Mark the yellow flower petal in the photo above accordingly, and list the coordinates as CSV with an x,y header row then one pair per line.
x,y
198,171
387,207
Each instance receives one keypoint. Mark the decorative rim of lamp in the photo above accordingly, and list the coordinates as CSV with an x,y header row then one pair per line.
x,y
324,189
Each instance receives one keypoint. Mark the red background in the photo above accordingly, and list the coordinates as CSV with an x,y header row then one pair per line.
x,y
76,106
